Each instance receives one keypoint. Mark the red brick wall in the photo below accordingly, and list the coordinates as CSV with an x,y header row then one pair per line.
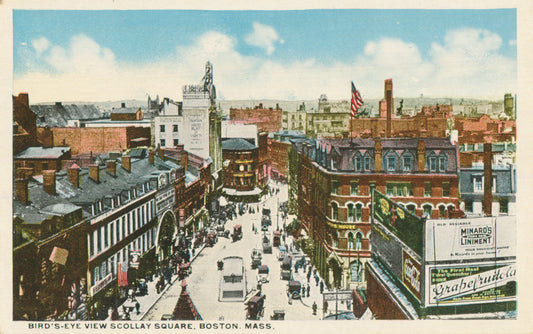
x,y
267,120
86,140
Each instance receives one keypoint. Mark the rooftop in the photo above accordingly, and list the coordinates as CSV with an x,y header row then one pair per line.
x,y
43,153
237,144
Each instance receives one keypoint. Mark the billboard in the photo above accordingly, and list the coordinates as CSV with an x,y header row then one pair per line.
x,y
470,283
406,226
412,275
475,238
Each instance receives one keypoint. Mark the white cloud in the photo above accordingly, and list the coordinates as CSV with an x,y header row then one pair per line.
x,y
40,45
264,37
512,42
467,63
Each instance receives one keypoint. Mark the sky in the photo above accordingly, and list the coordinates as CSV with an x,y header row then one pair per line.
x,y
83,55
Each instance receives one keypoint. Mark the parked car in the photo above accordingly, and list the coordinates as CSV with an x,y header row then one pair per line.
x,y
263,274
282,252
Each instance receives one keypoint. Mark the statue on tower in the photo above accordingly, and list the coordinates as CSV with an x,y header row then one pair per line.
x,y
207,81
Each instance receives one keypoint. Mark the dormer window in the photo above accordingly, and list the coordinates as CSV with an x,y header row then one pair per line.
x,y
407,163
391,163
333,163
367,162
358,163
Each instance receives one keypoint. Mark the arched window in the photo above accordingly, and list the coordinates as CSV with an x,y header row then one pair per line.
x,y
442,211
334,211
427,210
407,162
358,241
351,212
358,163
443,162
411,208
358,211
356,271
351,241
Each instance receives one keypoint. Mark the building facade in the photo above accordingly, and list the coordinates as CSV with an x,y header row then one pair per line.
x,y
335,183
266,119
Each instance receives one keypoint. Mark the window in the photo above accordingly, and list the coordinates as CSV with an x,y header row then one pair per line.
x,y
334,211
358,241
176,142
99,241
442,211
112,233
443,163
399,189
162,142
96,277
433,164
411,208
391,164
407,163
129,222
351,241
367,163
358,211
358,162
478,183
445,189
161,128
106,242
427,210
333,164
427,189
175,128
351,212
356,271
45,165
335,240
469,206
117,229
504,205
91,244
354,188
334,187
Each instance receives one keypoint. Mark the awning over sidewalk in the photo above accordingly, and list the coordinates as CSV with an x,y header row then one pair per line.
x,y
234,192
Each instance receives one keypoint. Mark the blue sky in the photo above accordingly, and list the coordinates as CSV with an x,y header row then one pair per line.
x,y
96,55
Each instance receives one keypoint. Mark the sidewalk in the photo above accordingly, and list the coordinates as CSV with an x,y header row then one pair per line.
x,y
147,301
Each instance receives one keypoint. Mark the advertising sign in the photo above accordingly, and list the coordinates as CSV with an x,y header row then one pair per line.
x,y
102,284
406,226
470,238
412,275
472,283
135,257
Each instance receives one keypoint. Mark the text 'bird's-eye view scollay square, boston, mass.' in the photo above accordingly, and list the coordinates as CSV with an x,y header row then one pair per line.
x,y
249,168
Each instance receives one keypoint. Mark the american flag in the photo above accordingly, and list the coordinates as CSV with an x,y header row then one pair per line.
x,y
357,100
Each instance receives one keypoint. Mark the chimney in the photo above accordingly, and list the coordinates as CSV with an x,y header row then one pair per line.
x,y
24,99
123,105
22,193
390,105
74,175
378,157
161,153
487,186
112,167
126,162
94,173
49,181
421,155
151,157
58,104
23,172
184,159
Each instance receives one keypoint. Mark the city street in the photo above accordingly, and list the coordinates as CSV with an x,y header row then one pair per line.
x,y
203,283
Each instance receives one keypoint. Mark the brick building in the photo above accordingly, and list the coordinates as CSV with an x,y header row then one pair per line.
x,y
89,139
24,124
278,153
40,159
484,129
126,113
335,181
266,119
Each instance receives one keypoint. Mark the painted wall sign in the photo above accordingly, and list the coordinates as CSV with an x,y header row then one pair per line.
x,y
472,238
412,275
474,283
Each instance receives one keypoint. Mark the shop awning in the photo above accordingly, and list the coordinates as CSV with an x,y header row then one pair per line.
x,y
59,255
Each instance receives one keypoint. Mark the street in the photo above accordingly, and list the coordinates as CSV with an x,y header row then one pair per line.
x,y
203,283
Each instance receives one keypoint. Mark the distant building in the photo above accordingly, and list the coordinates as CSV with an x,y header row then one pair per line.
x,y
278,151
126,114
295,120
24,124
266,119
59,114
241,162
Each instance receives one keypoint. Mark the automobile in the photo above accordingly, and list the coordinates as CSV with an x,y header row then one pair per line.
x,y
211,239
237,232
267,247
220,231
256,258
255,307
286,265
282,252
294,289
263,274
276,239
278,315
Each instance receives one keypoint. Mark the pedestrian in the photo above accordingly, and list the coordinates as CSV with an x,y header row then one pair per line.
x,y
325,306
314,308
321,286
308,289
316,279
138,307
